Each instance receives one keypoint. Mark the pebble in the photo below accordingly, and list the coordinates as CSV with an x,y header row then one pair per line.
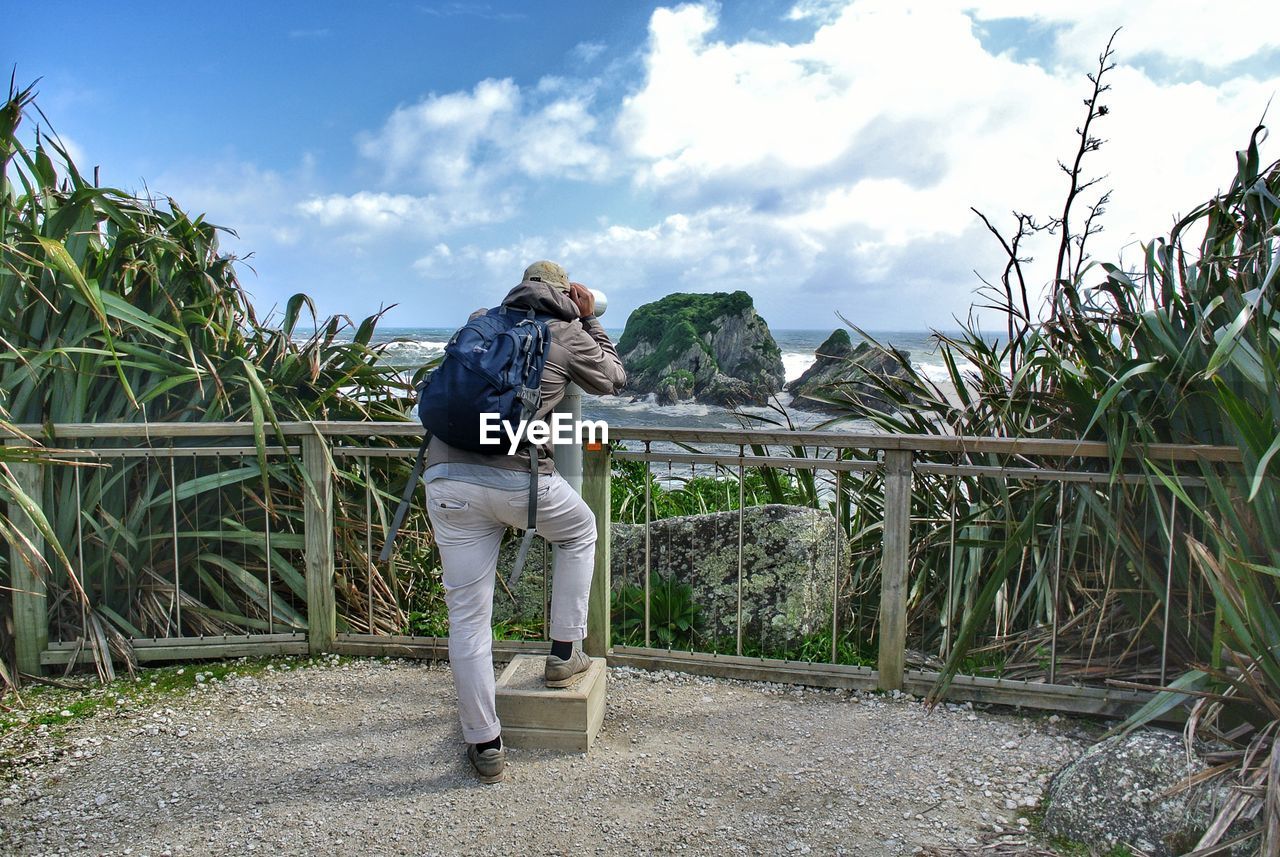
x,y
292,761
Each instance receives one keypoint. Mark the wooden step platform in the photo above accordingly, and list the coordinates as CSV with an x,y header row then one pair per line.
x,y
552,718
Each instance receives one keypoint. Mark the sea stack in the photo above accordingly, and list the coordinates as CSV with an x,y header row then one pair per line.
x,y
840,373
712,348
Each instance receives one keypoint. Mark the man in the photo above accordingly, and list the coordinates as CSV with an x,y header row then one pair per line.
x,y
472,498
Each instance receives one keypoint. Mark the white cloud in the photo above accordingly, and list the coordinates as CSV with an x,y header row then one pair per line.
x,y
725,247
494,132
468,155
367,209
798,277
368,212
764,112
435,142
831,172
823,11
1214,33
552,143
483,11
587,52
257,202
282,250
716,249
877,134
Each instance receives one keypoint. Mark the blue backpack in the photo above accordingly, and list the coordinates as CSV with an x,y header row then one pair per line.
x,y
492,365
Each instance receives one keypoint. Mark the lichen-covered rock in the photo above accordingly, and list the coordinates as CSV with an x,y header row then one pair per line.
x,y
788,559
840,372
715,345
525,605
1115,794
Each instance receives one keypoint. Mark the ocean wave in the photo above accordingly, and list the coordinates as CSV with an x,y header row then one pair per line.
x,y
935,372
412,353
649,404
794,363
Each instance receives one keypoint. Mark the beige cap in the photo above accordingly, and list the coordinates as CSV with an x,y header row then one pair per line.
x,y
549,273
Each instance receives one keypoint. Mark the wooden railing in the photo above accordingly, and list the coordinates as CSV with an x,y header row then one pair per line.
x,y
895,456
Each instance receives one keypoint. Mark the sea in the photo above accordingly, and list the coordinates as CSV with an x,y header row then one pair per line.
x,y
410,347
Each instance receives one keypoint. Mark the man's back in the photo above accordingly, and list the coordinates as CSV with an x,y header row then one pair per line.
x,y
581,353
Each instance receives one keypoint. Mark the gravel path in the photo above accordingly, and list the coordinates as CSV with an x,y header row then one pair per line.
x,y
364,757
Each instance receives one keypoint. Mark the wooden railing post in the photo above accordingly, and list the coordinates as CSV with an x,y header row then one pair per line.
x,y
318,543
893,575
30,607
596,472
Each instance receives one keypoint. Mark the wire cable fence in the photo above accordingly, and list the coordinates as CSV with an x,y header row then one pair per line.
x,y
172,541
1030,564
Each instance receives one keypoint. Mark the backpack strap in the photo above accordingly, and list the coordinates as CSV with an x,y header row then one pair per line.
x,y
518,568
530,398
533,487
405,499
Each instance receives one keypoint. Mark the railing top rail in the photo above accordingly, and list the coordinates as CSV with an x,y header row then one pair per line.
x,y
924,443
83,431
831,439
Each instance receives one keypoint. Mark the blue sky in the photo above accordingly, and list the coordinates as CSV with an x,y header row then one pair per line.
x,y
822,155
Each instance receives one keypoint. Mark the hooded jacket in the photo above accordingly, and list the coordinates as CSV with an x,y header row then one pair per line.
x,y
580,352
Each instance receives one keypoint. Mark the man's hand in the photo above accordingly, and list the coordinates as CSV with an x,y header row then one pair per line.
x,y
585,301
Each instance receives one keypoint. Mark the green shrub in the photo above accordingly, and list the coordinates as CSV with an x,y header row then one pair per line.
x,y
674,617
114,309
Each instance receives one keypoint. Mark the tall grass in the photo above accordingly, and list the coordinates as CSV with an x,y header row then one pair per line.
x,y
1183,349
115,308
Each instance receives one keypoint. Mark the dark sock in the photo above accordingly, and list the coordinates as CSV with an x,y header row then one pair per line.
x,y
495,744
561,649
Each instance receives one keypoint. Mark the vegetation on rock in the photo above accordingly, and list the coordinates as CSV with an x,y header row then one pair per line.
x,y
717,341
677,321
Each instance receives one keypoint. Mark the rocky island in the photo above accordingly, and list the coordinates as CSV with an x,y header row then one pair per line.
x,y
840,374
711,348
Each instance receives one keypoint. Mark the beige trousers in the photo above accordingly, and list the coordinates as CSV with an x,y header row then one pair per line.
x,y
469,522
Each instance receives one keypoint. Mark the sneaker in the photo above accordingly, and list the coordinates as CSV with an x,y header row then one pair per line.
x,y
489,764
562,672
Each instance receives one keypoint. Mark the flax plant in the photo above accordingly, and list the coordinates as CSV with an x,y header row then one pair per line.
x,y
1169,578
115,308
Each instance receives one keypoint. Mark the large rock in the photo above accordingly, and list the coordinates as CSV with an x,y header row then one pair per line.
x,y
1115,794
841,372
713,348
788,561
728,392
524,605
